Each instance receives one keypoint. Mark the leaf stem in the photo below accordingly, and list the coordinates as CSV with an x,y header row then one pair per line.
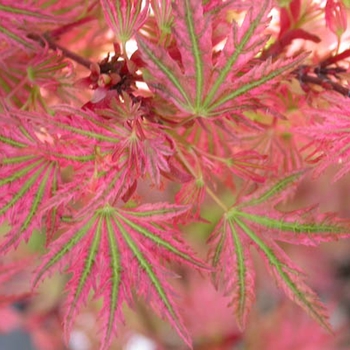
x,y
216,199
208,190
186,163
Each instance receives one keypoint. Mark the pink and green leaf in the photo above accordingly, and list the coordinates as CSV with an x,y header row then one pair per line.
x,y
163,14
199,85
242,45
30,169
193,33
257,80
287,276
13,17
329,137
27,180
125,17
254,221
116,250
234,272
166,77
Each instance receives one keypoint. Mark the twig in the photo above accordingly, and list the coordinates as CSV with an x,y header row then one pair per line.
x,y
46,40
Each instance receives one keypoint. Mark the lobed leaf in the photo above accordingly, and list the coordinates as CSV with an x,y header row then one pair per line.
x,y
14,17
254,221
195,47
288,278
197,82
241,46
167,78
193,35
125,17
116,250
234,272
30,176
163,15
257,80
329,137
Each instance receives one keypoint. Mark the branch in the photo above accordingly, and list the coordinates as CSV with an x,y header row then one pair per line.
x,y
321,76
46,40
325,83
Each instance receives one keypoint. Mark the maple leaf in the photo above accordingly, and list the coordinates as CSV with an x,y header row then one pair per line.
x,y
125,17
113,251
26,180
30,174
45,70
164,18
196,83
336,17
28,78
15,19
329,137
279,143
125,140
254,221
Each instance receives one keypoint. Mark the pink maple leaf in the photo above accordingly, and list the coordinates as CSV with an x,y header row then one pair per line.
x,y
114,251
203,86
255,222
125,17
329,137
31,161
17,19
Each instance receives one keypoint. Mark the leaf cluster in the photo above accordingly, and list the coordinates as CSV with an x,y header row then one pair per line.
x,y
210,108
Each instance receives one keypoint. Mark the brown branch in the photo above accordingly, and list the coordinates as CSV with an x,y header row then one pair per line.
x,y
325,83
46,40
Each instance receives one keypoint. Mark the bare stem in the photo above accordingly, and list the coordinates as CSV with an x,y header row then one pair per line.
x,y
216,199
46,40
325,83
70,54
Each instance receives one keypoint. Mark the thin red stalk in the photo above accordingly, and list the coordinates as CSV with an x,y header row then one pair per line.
x,y
336,58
